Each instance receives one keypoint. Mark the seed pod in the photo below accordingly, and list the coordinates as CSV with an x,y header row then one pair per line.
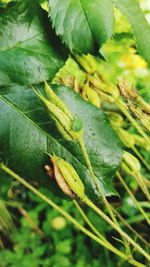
x,y
56,100
90,94
70,176
116,120
69,125
85,64
59,179
57,113
131,161
63,132
126,137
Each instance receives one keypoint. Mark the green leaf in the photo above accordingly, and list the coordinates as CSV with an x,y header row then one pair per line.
x,y
83,25
141,29
27,44
27,132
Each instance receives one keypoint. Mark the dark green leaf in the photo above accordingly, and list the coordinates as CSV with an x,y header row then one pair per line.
x,y
141,29
27,44
27,132
84,25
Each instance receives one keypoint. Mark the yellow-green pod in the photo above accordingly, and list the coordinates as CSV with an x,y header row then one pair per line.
x,y
56,112
71,128
93,97
132,162
61,181
126,137
56,100
70,176
63,132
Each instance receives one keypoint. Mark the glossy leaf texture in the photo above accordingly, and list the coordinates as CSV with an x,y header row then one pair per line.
x,y
141,29
27,132
83,25
29,48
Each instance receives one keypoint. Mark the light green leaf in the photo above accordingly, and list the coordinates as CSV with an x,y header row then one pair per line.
x,y
141,29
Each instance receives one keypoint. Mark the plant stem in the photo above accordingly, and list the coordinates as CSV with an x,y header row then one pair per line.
x,y
146,182
87,201
137,218
144,188
88,221
125,223
133,198
145,106
86,157
139,179
69,217
128,252
106,203
142,184
140,157
121,105
144,204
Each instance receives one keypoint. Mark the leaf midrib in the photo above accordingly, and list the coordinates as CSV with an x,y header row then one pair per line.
x,y
86,17
20,43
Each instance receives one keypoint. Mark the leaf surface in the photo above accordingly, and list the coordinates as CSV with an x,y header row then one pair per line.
x,y
83,25
28,45
141,29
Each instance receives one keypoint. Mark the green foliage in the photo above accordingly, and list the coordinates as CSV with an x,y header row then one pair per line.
x,y
31,53
83,25
57,248
34,137
141,29
27,44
